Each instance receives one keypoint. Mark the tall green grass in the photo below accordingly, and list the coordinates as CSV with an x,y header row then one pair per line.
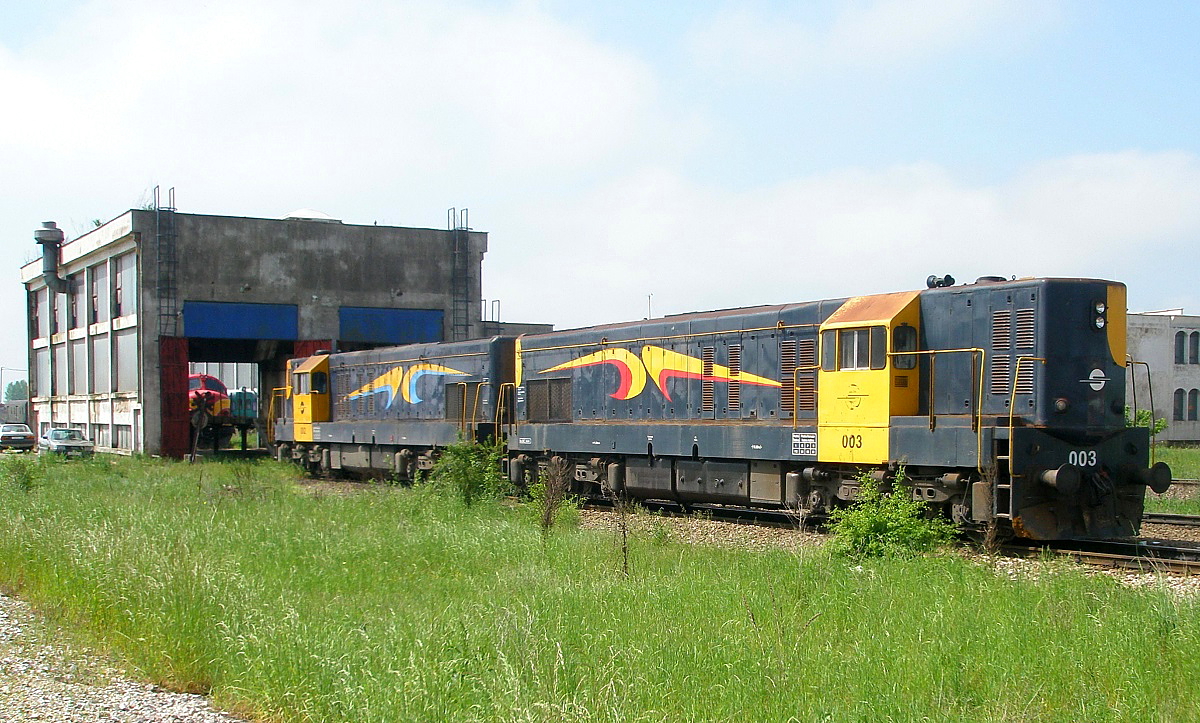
x,y
1184,461
1181,500
403,604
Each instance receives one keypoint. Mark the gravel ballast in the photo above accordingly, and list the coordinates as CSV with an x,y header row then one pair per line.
x,y
44,679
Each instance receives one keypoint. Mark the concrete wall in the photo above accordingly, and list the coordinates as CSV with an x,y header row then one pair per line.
x,y
1152,341
319,266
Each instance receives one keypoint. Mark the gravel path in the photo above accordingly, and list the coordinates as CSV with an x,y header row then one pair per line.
x,y
42,679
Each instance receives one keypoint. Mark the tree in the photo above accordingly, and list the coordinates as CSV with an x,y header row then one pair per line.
x,y
17,391
1144,418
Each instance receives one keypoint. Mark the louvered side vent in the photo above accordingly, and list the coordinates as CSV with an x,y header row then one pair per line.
x,y
806,380
808,353
707,401
1002,329
341,390
1025,378
902,381
735,374
787,376
371,393
806,393
1001,373
1026,330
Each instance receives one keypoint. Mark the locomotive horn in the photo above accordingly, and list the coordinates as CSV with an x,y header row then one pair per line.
x,y
939,282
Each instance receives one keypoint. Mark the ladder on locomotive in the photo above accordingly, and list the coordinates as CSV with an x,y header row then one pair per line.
x,y
1002,498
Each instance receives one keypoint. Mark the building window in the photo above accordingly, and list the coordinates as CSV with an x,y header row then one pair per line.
x,y
124,285
1193,403
1180,344
1194,348
100,293
76,308
36,314
123,434
1180,399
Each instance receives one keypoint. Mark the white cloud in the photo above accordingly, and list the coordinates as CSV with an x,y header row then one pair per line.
x,y
849,232
877,35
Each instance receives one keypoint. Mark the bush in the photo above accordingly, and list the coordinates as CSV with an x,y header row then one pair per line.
x,y
21,470
471,472
884,524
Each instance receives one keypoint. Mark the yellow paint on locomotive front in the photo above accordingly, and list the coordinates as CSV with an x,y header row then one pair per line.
x,y
1116,323
857,399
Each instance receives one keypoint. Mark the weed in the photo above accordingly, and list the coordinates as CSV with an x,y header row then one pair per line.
x,y
21,470
549,493
885,524
471,472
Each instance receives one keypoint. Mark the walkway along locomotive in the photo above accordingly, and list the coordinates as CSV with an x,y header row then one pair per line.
x,y
1002,400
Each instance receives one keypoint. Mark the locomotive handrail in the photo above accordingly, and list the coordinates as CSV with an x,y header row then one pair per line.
x,y
475,407
462,417
502,405
276,392
977,412
1149,386
1012,400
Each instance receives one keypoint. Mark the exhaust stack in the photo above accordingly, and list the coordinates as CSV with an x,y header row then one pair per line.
x,y
50,236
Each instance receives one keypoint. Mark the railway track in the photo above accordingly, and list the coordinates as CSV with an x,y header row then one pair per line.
x,y
1169,518
1143,555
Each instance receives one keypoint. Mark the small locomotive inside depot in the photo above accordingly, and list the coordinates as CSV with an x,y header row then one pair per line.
x,y
1003,401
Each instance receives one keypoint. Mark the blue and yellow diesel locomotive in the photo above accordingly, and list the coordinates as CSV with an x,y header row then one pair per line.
x,y
1002,400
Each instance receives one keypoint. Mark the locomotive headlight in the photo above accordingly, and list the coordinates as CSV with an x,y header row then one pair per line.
x,y
1101,307
1061,405
1100,322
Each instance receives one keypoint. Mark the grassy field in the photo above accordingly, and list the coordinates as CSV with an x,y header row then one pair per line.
x,y
400,604
1185,464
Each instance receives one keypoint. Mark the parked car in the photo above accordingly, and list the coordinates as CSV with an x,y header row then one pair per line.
x,y
16,436
67,442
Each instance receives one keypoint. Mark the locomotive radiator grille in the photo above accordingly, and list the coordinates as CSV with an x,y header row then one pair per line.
x,y
1000,376
707,385
1026,330
1002,329
735,372
787,373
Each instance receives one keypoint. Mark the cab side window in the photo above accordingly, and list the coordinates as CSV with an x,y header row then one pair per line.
x,y
850,349
904,339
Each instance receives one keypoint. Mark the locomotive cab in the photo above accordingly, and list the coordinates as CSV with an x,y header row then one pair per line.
x,y
310,396
868,375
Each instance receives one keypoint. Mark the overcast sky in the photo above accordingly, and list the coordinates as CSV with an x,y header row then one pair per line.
x,y
690,155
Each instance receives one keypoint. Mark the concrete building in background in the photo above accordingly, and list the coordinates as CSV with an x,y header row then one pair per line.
x,y
1165,346
117,314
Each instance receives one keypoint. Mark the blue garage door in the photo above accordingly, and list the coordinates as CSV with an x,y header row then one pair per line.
x,y
223,320
389,326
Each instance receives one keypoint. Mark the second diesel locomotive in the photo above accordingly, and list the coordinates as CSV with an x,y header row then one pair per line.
x,y
1002,400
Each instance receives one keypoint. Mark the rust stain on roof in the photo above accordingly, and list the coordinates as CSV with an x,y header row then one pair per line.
x,y
879,308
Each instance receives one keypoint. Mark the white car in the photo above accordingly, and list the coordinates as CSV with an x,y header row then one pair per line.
x,y
67,442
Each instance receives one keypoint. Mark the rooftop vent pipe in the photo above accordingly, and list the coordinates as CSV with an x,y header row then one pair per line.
x,y
50,236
